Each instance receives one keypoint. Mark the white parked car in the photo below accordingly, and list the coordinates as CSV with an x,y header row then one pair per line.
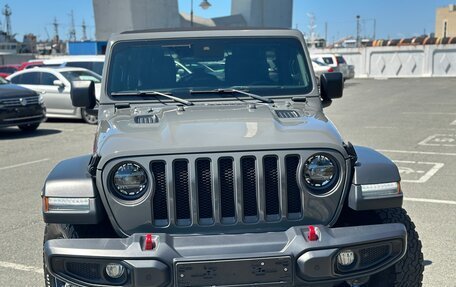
x,y
335,61
92,63
54,84
320,68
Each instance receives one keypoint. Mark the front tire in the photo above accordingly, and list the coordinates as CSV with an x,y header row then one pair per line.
x,y
29,127
408,272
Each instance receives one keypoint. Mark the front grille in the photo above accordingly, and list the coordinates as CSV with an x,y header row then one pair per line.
x,y
90,271
373,255
16,102
226,189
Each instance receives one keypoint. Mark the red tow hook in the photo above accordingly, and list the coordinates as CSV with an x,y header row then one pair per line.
x,y
312,235
149,242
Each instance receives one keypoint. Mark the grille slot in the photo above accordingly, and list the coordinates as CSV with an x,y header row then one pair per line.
x,y
182,192
204,184
294,193
271,185
249,188
226,178
16,102
160,202
233,189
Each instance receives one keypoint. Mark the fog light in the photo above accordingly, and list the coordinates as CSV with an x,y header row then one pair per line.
x,y
346,257
115,270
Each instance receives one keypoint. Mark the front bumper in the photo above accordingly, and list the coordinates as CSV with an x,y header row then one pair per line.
x,y
15,116
286,258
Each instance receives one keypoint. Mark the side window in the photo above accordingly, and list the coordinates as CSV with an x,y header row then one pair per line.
x,y
28,79
17,79
85,65
328,60
47,79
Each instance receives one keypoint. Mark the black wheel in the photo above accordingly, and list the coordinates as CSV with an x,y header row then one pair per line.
x,y
68,231
29,127
408,272
89,117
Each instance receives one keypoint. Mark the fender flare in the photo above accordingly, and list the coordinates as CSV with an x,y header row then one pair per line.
x,y
70,179
373,168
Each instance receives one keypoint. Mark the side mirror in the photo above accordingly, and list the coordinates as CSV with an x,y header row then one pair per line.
x,y
331,87
83,94
58,83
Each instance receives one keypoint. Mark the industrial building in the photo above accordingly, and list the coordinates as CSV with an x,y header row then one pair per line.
x,y
445,21
114,16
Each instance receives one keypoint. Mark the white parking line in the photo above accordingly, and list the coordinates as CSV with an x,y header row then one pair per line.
x,y
23,164
417,152
453,123
21,267
427,113
378,127
435,167
430,200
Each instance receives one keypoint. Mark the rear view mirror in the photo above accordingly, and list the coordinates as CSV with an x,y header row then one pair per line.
x,y
83,94
331,87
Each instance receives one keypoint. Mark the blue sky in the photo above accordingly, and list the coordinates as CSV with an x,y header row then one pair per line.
x,y
395,18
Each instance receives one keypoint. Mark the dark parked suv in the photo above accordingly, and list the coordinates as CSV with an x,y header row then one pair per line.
x,y
20,107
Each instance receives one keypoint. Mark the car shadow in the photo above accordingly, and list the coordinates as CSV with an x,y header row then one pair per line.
x,y
15,133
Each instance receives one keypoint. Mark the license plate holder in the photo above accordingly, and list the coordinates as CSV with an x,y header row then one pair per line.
x,y
276,271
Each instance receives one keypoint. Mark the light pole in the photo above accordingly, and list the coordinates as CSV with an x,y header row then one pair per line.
x,y
358,28
204,5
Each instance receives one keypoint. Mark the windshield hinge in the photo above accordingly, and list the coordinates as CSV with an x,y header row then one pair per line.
x,y
351,153
92,167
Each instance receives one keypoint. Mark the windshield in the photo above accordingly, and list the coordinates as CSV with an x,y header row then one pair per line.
x,y
264,66
81,76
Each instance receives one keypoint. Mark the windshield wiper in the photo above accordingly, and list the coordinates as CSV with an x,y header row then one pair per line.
x,y
153,94
234,91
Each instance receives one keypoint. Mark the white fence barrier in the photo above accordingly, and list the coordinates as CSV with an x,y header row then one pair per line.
x,y
399,62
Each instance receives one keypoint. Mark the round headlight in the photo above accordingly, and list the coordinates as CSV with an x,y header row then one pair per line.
x,y
320,172
130,180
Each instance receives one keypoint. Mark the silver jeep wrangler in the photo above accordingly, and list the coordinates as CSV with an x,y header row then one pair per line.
x,y
214,165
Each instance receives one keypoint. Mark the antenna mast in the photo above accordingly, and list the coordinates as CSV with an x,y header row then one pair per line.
x,y
72,28
56,28
84,31
7,13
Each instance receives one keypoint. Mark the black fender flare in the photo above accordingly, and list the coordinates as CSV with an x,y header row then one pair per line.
x,y
373,167
70,178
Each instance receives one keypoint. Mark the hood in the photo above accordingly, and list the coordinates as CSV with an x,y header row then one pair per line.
x,y
214,128
11,90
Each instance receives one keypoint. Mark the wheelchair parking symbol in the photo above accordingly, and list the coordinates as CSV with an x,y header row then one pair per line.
x,y
439,140
417,172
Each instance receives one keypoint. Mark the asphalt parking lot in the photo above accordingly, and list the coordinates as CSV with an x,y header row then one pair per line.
x,y
412,121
